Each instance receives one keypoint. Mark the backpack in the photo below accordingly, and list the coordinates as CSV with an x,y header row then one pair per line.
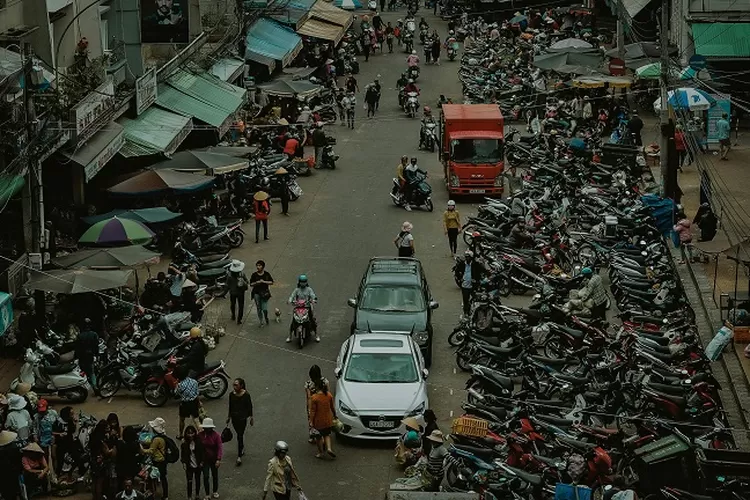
x,y
171,451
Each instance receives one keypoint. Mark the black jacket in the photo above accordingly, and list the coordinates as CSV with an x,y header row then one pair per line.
x,y
200,452
195,359
318,138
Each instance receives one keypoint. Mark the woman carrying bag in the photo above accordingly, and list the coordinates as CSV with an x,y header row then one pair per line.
x,y
281,476
240,410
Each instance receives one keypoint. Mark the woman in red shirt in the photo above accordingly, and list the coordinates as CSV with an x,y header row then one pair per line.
x,y
261,209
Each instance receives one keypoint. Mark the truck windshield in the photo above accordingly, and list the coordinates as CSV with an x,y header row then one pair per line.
x,y
477,150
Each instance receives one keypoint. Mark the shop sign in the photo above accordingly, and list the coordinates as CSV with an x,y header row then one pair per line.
x,y
93,168
93,112
616,67
723,105
145,91
175,143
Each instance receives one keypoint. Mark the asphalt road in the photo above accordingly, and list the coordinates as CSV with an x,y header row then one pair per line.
x,y
344,218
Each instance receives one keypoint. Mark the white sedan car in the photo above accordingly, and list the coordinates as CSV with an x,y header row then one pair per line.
x,y
381,379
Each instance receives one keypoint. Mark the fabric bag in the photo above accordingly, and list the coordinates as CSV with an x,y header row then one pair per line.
x,y
226,435
265,294
242,282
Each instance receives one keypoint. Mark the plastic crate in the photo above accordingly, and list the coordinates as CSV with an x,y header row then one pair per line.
x,y
472,427
741,334
727,463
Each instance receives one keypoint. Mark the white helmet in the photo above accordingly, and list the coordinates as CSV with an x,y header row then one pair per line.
x,y
451,32
451,203
414,52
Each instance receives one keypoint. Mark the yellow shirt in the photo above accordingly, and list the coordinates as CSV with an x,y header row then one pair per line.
x,y
451,219
400,171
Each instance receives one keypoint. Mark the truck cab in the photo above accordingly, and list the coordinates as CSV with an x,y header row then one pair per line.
x,y
472,148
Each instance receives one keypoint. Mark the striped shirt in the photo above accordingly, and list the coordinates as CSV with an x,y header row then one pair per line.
x,y
436,460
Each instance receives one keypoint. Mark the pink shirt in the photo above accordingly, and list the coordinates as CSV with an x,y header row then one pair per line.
x,y
214,448
412,60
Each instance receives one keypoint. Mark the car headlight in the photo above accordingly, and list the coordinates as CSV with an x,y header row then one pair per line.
x,y
499,181
421,338
454,181
416,411
346,410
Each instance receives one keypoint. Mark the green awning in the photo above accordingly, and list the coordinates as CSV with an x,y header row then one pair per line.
x,y
202,96
154,131
9,186
722,39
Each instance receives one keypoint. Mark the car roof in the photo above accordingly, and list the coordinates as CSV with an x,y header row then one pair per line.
x,y
394,271
381,343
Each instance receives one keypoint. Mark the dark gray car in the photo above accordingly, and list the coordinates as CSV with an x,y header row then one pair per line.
x,y
394,297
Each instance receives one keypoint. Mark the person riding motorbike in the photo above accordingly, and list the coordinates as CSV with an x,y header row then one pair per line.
x,y
427,118
423,23
413,60
400,171
404,91
410,175
306,293
195,359
451,34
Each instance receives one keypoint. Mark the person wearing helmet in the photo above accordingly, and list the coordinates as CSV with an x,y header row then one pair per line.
x,y
594,292
304,292
426,118
413,60
452,224
319,142
401,84
470,276
195,359
520,235
281,476
411,177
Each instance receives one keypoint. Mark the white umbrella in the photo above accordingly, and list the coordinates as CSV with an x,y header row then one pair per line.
x,y
687,98
571,43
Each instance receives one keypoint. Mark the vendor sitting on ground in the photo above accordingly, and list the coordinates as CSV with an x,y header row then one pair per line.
x,y
35,468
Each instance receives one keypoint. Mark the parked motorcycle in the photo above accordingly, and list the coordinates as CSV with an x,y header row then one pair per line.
x,y
213,382
66,381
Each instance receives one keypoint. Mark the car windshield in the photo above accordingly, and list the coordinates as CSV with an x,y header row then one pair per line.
x,y
380,368
477,150
392,298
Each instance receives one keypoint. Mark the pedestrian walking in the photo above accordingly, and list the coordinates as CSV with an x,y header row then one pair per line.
x,y
366,45
283,175
340,96
100,457
319,143
382,5
350,105
240,412
405,241
635,126
260,281
371,99
18,419
470,277
430,425
281,476
261,209
10,465
322,415
187,392
316,379
129,456
452,224
157,449
680,143
213,452
723,131
192,456
237,284
436,48
87,349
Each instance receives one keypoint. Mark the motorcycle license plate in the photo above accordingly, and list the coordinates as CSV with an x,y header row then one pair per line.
x,y
476,191
381,424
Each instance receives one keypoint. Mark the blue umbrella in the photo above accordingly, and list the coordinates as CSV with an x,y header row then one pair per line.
x,y
687,98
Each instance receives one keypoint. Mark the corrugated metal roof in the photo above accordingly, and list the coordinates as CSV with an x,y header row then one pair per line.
x,y
155,131
322,30
227,69
270,39
327,12
722,39
201,96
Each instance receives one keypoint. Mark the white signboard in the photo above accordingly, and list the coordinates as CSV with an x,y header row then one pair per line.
x,y
145,91
93,111
93,168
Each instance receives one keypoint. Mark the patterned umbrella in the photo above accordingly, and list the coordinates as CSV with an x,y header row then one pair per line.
x,y
116,232
687,99
348,4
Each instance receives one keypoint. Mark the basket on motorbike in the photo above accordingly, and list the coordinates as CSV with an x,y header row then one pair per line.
x,y
723,463
470,427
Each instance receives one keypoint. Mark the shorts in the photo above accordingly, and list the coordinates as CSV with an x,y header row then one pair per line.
x,y
725,142
324,432
189,409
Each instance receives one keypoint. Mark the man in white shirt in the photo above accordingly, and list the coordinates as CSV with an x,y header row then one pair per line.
x,y
349,103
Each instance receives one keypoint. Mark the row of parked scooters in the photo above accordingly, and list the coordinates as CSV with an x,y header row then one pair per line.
x,y
570,398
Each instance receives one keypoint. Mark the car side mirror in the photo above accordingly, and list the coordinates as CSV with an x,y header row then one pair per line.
x,y
337,372
352,302
434,304
425,373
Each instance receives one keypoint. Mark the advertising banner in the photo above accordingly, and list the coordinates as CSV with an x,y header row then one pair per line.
x,y
723,105
165,21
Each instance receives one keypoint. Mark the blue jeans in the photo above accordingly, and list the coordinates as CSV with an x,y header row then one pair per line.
x,y
261,306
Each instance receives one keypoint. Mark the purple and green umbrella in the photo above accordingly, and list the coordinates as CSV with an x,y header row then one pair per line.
x,y
116,232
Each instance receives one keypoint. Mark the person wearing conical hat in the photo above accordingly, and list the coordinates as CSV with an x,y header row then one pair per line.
x,y
35,468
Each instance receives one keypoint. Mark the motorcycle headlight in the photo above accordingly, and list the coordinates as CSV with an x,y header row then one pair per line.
x,y
346,410
455,182
499,181
416,411
421,338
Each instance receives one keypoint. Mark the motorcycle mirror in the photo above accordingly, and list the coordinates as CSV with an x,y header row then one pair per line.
x,y
352,302
337,372
425,373
434,304
644,254
665,321
537,296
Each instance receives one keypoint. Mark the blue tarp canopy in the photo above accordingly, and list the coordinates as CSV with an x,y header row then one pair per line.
x,y
294,13
6,312
662,210
271,40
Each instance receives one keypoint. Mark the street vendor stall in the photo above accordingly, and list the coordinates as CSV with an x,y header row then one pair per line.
x,y
208,162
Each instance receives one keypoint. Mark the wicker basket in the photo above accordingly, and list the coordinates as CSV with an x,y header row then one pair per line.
x,y
472,427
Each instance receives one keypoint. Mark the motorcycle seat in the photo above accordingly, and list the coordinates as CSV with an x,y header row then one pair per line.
x,y
211,273
148,357
661,340
556,421
648,319
184,326
59,369
500,413
483,453
553,362
572,378
635,284
211,366
660,355
575,443
678,400
600,430
662,349
533,479
570,331
213,265
503,351
502,380
674,390
552,462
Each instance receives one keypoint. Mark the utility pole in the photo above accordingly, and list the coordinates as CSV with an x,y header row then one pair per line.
x,y
620,30
664,84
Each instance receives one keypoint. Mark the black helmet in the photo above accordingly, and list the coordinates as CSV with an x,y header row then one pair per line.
x,y
414,159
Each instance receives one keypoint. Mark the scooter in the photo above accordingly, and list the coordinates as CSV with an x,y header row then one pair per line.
x,y
413,73
429,140
329,155
421,194
411,106
66,381
452,48
301,321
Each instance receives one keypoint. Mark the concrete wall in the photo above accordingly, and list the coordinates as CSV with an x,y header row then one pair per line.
x,y
125,25
69,30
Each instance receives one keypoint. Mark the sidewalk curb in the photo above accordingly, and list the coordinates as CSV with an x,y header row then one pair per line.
x,y
735,392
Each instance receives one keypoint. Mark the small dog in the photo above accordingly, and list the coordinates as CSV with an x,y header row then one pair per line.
x,y
277,312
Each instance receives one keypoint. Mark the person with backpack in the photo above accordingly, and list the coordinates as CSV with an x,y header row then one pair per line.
x,y
213,450
405,241
262,209
163,451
